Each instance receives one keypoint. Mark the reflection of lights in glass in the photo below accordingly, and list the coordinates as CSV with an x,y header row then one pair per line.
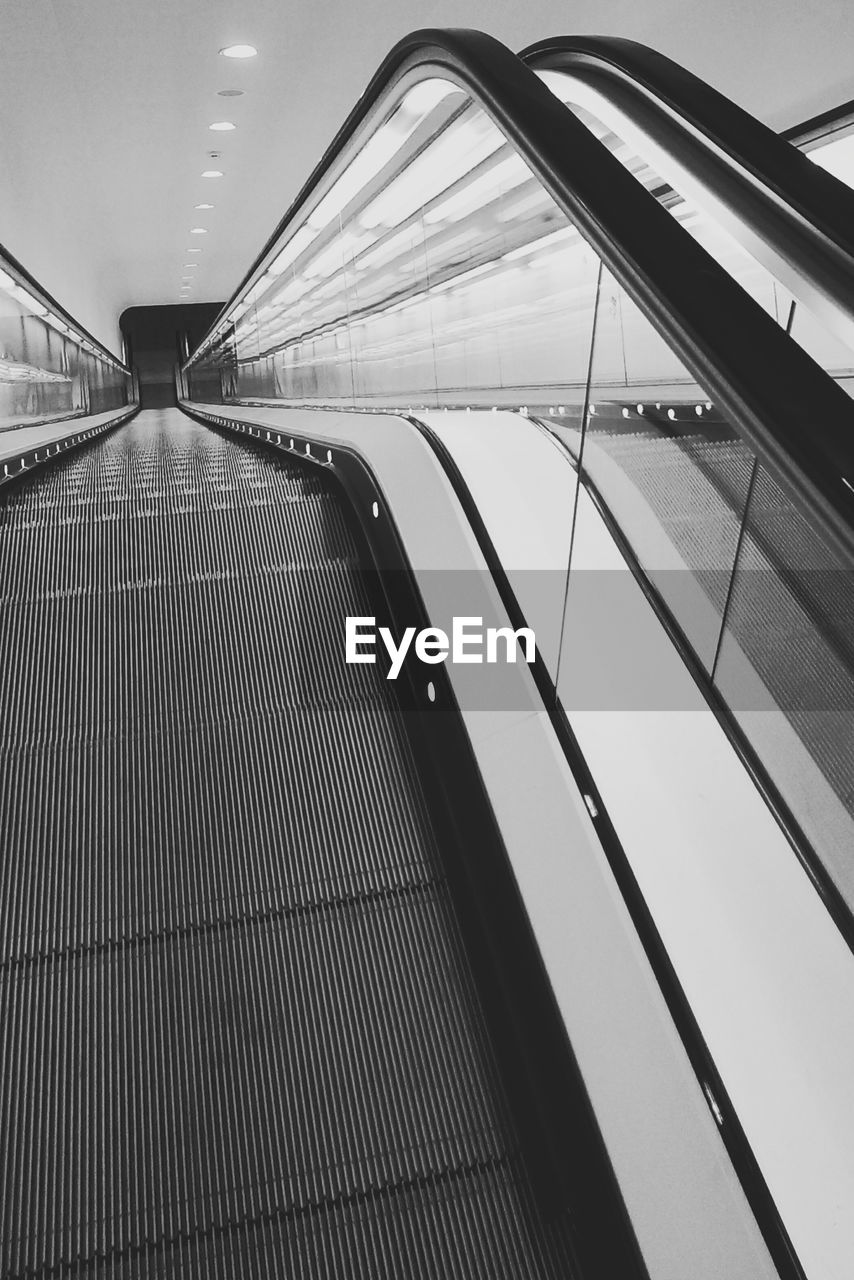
x,y
341,250
542,242
293,290
427,95
463,278
372,158
407,302
536,201
459,150
291,251
212,173
489,186
27,300
389,248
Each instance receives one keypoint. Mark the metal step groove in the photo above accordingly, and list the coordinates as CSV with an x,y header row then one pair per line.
x,y
238,1027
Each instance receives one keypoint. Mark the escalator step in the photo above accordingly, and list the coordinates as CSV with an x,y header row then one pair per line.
x,y
240,1031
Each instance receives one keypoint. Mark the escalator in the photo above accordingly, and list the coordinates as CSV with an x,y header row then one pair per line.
x,y
242,1035
311,973
682,542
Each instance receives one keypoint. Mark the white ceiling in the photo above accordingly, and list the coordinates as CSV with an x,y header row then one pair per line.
x,y
104,108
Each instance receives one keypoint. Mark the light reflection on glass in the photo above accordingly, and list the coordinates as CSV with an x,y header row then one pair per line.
x,y
46,369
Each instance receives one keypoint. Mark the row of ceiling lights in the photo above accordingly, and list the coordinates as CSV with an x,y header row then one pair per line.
x,y
219,126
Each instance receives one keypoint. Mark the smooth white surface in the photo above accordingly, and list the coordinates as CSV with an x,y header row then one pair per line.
x,y
686,1205
523,486
106,106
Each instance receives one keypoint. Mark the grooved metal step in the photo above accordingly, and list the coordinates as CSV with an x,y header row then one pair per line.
x,y
240,1031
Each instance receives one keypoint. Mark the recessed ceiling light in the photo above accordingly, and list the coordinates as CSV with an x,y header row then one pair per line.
x,y
192,251
198,231
202,206
222,126
229,93
239,51
187,265
212,173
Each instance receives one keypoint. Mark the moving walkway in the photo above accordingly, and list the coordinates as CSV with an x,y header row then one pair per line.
x,y
312,973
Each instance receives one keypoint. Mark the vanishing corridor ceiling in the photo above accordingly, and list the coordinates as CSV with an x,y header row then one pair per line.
x,y
105,107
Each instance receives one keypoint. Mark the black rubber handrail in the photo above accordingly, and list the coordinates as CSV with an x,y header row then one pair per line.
x,y
794,416
804,212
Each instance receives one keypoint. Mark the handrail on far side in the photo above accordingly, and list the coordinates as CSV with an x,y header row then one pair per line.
x,y
785,210
795,417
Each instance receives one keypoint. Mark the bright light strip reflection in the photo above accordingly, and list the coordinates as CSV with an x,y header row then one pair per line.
x,y
381,148
503,177
292,250
373,157
427,95
542,243
452,156
464,276
20,294
389,249
537,201
342,249
304,307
